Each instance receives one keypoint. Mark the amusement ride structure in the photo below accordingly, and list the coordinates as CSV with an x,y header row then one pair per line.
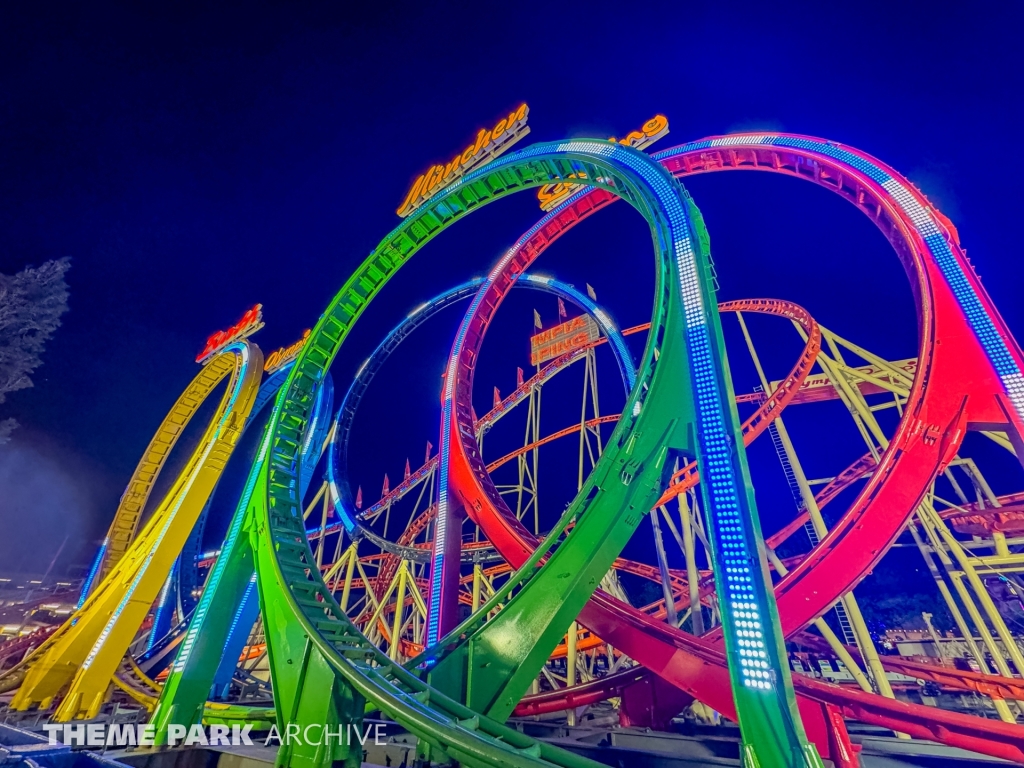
x,y
449,605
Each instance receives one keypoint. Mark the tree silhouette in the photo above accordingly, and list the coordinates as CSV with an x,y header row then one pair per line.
x,y
31,303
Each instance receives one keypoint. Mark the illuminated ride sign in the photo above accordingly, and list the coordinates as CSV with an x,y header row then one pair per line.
x,y
281,357
551,195
488,145
566,337
251,322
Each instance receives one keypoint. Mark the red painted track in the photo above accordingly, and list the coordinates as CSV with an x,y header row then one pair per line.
x,y
978,520
955,389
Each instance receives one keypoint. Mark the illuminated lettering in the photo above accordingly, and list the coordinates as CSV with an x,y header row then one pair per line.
x,y
481,138
566,337
281,357
434,180
456,161
488,145
251,322
551,195
414,192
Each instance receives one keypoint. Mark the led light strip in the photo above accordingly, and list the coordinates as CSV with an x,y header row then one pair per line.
x,y
238,612
933,235
87,586
713,434
221,565
162,606
443,508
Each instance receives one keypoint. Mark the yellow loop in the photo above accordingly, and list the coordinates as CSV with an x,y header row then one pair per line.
x,y
87,650
133,502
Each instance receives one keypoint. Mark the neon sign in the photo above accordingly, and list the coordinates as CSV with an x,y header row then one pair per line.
x,y
284,355
488,145
551,195
566,337
251,322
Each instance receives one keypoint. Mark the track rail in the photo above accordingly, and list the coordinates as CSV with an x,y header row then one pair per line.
x,y
209,647
337,467
290,588
85,653
972,379
310,636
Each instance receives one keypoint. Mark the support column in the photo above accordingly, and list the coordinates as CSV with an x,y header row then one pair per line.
x,y
478,576
394,650
350,566
666,579
570,665
810,503
998,623
692,574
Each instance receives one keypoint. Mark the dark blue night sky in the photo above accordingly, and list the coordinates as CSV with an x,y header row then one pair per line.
x,y
194,161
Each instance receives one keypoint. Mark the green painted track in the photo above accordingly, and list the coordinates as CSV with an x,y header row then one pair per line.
x,y
490,663
324,671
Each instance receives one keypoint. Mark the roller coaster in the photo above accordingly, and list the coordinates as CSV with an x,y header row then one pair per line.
x,y
477,609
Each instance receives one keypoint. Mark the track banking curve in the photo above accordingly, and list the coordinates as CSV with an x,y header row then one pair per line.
x,y
972,379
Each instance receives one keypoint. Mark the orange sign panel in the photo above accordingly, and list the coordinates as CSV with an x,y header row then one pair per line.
x,y
566,337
